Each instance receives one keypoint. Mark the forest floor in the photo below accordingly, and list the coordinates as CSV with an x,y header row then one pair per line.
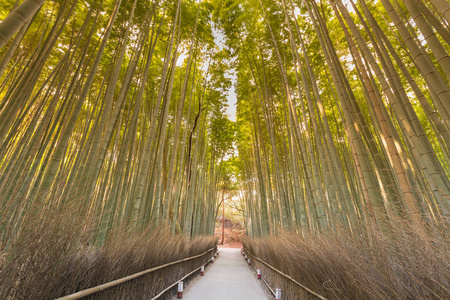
x,y
233,234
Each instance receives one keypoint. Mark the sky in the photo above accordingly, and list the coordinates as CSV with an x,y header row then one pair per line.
x,y
219,39
231,97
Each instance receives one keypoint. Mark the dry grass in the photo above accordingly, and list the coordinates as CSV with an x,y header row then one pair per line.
x,y
337,266
54,257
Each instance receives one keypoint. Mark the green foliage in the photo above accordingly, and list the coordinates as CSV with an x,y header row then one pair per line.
x,y
222,136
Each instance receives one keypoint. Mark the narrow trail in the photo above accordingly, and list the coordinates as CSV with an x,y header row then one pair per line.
x,y
228,278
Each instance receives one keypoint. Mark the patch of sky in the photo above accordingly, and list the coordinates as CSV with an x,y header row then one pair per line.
x,y
219,39
349,6
181,57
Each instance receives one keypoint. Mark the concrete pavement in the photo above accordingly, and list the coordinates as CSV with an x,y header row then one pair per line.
x,y
229,278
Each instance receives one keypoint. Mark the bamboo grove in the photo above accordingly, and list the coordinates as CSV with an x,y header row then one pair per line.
x,y
343,113
116,109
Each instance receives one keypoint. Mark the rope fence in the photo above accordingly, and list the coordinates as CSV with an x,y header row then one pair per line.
x,y
116,282
284,275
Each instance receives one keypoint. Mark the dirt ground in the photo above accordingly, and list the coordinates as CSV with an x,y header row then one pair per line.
x,y
232,236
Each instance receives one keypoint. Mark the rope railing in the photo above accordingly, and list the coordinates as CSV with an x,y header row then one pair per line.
x,y
285,276
110,284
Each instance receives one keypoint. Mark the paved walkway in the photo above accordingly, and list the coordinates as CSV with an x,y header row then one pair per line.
x,y
229,278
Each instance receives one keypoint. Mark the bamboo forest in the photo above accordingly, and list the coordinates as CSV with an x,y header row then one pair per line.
x,y
126,125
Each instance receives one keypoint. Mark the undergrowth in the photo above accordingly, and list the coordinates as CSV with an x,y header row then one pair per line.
x,y
54,256
405,265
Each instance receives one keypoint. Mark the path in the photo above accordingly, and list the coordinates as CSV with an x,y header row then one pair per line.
x,y
228,278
